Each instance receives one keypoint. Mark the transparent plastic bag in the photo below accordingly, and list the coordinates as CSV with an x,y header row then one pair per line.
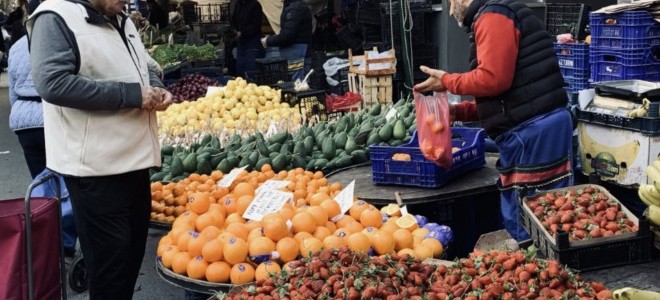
x,y
433,128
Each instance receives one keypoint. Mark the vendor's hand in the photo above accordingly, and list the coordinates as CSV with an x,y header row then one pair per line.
x,y
165,99
433,83
264,42
150,97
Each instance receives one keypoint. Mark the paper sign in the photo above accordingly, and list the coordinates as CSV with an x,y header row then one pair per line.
x,y
390,114
213,89
345,199
272,185
266,202
272,130
228,179
404,210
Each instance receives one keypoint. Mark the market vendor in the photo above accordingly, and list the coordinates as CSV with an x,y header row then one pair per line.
x,y
520,98
294,37
246,20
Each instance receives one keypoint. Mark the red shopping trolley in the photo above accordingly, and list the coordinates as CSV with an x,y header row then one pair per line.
x,y
32,260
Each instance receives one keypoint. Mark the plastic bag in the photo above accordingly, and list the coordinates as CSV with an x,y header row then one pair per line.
x,y
433,131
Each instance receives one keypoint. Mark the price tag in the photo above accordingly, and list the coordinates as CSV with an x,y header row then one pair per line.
x,y
345,199
266,202
272,185
228,179
213,89
390,114
272,130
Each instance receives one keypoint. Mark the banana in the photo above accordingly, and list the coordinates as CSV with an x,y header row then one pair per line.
x,y
654,175
654,215
656,164
629,293
654,193
645,195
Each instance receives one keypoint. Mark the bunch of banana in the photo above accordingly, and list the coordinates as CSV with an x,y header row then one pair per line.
x,y
650,193
629,293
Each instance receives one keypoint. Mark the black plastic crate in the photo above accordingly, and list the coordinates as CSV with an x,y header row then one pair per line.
x,y
311,103
608,252
350,36
644,125
272,65
567,18
391,34
270,79
371,34
368,12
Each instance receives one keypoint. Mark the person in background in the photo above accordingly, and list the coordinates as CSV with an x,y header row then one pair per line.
x,y
246,20
294,37
519,98
188,9
157,16
14,23
26,115
99,101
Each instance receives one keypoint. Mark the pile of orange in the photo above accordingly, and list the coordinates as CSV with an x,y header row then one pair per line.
x,y
210,240
168,201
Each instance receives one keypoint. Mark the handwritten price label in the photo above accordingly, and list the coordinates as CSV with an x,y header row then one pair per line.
x,y
266,202
345,199
228,179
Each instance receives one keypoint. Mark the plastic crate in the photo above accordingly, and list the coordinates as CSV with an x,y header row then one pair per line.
x,y
626,57
644,125
311,104
572,55
367,12
651,39
421,172
576,85
626,25
610,64
270,79
272,65
591,255
350,36
391,34
567,18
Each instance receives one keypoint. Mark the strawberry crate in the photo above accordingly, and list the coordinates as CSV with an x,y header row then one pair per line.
x,y
593,253
418,171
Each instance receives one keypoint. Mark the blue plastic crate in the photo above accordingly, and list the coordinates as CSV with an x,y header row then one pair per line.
x,y
627,25
626,57
652,38
571,73
421,172
576,85
571,55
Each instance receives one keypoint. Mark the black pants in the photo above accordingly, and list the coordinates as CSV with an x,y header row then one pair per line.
x,y
34,149
112,220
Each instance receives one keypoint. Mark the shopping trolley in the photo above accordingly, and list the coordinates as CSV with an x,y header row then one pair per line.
x,y
31,241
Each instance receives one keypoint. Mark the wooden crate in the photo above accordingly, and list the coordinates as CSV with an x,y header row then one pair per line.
x,y
373,89
369,62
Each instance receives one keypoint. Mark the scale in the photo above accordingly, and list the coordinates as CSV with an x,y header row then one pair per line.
x,y
616,147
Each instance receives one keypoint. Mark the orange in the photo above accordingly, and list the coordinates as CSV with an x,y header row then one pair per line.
x,y
251,225
168,256
187,217
286,213
335,186
407,222
354,227
255,233
370,232
341,232
241,273
391,210
345,220
275,229
303,222
402,239
216,175
310,246
322,232
288,249
178,230
407,251
166,240
331,226
300,236
218,218
243,189
196,243
331,207
204,220
322,181
319,214
199,202
182,242
420,232
156,186
435,246
197,268
318,198
288,267
211,232
261,246
383,242
358,242
218,272
180,263
212,251
357,208
334,242
318,175
238,229
204,188
272,217
265,269
389,227
234,218
230,204
235,251
423,252
243,203
266,168
371,217
226,236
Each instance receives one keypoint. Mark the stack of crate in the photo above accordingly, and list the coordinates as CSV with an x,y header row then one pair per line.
x,y
573,61
624,46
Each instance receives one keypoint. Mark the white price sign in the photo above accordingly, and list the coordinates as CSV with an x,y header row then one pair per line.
x,y
272,184
390,114
228,179
345,199
266,202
